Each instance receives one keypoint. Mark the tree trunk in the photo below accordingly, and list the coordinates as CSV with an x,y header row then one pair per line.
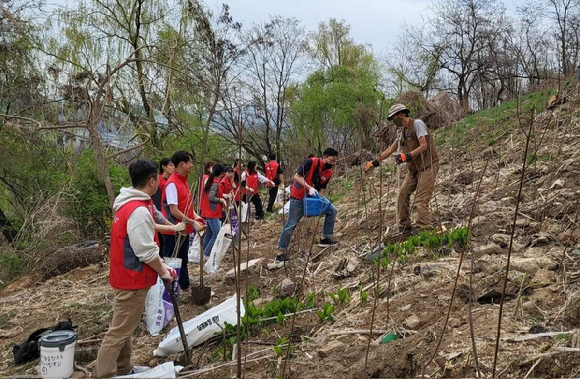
x,y
96,144
7,229
141,76
206,131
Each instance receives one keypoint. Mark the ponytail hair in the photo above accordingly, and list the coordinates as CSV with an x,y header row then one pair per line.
x,y
252,167
217,170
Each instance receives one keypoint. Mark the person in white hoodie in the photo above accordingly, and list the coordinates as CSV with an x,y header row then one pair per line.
x,y
135,265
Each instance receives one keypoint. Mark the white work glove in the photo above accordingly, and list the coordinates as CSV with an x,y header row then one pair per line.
x,y
168,273
312,191
179,227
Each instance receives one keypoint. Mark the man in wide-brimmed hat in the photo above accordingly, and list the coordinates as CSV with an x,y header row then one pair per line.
x,y
418,151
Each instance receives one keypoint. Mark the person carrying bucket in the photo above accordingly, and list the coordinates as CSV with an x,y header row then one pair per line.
x,y
311,178
134,266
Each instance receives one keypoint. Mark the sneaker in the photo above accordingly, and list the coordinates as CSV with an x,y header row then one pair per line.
x,y
282,257
405,230
326,242
260,217
269,211
280,261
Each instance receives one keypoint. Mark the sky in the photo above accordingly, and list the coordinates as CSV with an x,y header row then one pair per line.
x,y
372,21
376,22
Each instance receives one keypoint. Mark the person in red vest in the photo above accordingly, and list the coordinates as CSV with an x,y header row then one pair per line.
x,y
166,168
134,266
177,205
207,169
212,204
227,183
251,180
274,173
311,178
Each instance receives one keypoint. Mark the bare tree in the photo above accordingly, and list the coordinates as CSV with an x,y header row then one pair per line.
x,y
274,61
565,14
458,33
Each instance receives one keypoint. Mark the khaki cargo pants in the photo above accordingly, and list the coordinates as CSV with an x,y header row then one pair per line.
x,y
424,184
114,356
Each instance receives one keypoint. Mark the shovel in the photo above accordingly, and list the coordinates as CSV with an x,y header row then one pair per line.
x,y
200,295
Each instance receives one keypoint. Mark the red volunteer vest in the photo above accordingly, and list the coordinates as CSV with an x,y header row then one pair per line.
x,y
271,170
252,182
162,183
184,199
226,185
126,272
297,191
209,209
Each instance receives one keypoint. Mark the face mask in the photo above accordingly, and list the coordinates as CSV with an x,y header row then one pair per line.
x,y
398,121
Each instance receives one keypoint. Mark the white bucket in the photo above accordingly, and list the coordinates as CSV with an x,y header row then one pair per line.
x,y
57,353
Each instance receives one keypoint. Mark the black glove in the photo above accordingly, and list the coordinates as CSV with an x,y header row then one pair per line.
x,y
402,158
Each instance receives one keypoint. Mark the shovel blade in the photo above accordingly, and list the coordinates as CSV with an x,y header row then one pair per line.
x,y
200,295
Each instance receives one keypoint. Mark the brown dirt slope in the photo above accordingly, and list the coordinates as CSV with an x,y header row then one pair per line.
x,y
543,291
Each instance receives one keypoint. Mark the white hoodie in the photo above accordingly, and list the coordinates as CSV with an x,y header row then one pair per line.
x,y
140,226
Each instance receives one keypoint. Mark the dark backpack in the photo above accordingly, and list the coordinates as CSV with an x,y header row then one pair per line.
x,y
29,350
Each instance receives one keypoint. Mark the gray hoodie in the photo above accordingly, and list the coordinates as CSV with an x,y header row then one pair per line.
x,y
140,226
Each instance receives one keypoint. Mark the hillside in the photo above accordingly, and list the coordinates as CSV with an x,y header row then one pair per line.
x,y
542,290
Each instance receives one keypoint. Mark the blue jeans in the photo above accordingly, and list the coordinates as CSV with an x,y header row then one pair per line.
x,y
211,233
295,214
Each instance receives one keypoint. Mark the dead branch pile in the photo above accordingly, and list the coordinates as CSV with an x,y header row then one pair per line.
x,y
71,257
441,111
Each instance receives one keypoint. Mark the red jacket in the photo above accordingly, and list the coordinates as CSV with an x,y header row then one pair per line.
x,y
184,200
252,182
297,191
126,272
227,185
162,183
209,209
272,170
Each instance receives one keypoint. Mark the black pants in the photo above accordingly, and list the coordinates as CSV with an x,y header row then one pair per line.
x,y
168,246
272,193
258,204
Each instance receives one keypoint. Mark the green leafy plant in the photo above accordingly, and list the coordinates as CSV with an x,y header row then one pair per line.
x,y
364,296
325,314
253,293
279,347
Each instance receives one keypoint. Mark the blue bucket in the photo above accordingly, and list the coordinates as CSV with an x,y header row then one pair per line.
x,y
315,206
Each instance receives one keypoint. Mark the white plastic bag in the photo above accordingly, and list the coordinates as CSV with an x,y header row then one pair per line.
x,y
158,306
219,249
280,196
201,328
285,209
194,246
245,214
154,310
166,370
